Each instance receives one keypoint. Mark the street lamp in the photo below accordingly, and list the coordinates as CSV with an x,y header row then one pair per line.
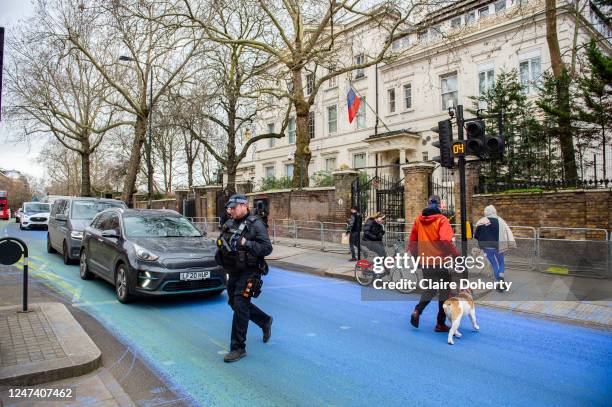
x,y
149,143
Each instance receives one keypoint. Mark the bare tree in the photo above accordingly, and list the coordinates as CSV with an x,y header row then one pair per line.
x,y
221,111
59,94
155,55
308,37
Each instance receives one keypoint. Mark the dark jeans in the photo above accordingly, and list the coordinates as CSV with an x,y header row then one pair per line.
x,y
377,246
354,242
243,311
435,274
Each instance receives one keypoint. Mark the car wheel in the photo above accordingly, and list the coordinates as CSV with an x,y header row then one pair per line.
x,y
83,268
65,253
121,284
50,248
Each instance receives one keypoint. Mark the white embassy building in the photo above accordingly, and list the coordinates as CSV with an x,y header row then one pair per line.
x,y
465,45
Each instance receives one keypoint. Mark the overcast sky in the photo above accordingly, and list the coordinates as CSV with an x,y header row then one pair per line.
x,y
19,157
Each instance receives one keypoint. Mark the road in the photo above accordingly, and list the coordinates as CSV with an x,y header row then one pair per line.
x,y
331,348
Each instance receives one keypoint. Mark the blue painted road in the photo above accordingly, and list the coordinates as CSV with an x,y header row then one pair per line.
x,y
331,348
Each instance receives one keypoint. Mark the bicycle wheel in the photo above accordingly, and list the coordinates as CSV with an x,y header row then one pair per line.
x,y
399,274
363,274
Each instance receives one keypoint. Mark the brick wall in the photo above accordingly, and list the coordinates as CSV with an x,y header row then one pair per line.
x,y
319,204
567,209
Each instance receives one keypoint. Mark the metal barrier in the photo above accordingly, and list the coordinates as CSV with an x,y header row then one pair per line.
x,y
206,225
284,231
332,238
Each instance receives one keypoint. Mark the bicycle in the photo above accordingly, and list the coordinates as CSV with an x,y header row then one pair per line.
x,y
365,274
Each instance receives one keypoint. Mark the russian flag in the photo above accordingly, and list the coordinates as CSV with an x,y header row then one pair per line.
x,y
353,101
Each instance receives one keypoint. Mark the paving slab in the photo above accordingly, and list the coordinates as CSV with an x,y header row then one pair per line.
x,y
43,345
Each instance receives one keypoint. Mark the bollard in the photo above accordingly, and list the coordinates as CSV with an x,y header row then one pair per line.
x,y
11,250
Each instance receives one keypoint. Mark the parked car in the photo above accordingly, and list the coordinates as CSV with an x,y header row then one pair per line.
x,y
34,215
69,217
18,214
150,252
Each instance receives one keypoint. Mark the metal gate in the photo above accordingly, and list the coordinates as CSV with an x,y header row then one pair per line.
x,y
379,193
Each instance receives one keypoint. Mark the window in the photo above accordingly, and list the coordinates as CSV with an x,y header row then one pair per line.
x,y
471,17
425,156
309,83
456,22
500,6
289,170
449,91
359,59
330,164
270,130
100,220
332,119
486,78
311,124
269,171
408,96
332,82
359,160
529,72
291,130
436,32
391,100
483,12
361,114
111,222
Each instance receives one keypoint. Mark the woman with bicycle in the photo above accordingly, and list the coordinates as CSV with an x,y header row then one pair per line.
x,y
373,233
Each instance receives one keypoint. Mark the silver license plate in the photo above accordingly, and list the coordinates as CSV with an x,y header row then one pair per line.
x,y
197,275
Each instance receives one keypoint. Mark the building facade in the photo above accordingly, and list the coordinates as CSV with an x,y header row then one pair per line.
x,y
451,55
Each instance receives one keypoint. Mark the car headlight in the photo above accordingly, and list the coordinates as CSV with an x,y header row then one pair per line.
x,y
25,217
144,255
76,235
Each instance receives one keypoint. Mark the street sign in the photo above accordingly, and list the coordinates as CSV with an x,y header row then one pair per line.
x,y
458,148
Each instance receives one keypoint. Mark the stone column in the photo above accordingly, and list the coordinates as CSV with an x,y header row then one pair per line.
x,y
472,171
180,195
137,200
343,181
402,156
417,177
211,200
200,199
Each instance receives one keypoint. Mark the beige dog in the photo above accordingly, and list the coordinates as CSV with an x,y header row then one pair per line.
x,y
457,306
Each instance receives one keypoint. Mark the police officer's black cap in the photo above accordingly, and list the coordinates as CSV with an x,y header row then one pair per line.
x,y
236,199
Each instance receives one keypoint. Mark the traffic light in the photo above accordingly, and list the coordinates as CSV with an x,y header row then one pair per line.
x,y
445,139
476,143
495,146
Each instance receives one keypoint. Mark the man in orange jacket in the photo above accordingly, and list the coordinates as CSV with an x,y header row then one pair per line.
x,y
431,239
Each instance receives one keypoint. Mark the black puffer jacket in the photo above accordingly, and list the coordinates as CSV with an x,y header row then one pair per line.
x,y
373,231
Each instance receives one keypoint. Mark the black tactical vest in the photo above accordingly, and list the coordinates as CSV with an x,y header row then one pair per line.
x,y
237,259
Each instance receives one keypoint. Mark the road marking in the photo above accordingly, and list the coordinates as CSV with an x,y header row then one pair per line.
x,y
77,295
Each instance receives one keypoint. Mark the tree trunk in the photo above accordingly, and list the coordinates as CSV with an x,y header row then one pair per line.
x,y
129,185
302,149
566,139
85,174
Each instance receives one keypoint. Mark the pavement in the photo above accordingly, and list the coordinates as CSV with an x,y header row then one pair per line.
x,y
578,300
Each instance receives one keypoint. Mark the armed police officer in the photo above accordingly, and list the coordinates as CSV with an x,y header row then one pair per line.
x,y
242,246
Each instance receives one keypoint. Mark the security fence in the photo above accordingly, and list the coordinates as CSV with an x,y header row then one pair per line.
x,y
571,251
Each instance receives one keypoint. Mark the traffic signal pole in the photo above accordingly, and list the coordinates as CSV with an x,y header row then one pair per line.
x,y
462,199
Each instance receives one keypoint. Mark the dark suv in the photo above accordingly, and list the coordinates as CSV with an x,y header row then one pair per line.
x,y
69,216
150,252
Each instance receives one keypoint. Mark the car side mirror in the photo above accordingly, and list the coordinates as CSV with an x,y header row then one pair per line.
x,y
113,233
61,217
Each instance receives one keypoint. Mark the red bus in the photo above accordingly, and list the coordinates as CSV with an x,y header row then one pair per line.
x,y
4,208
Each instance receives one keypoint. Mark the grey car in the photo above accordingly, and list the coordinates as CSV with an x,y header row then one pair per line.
x,y
145,252
68,219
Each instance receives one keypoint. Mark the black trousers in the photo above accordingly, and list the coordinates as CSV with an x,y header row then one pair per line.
x,y
244,311
354,242
435,274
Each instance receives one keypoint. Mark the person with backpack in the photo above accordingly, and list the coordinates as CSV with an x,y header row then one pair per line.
x,y
494,238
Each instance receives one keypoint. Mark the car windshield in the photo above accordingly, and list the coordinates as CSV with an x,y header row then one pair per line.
x,y
159,226
36,208
89,209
